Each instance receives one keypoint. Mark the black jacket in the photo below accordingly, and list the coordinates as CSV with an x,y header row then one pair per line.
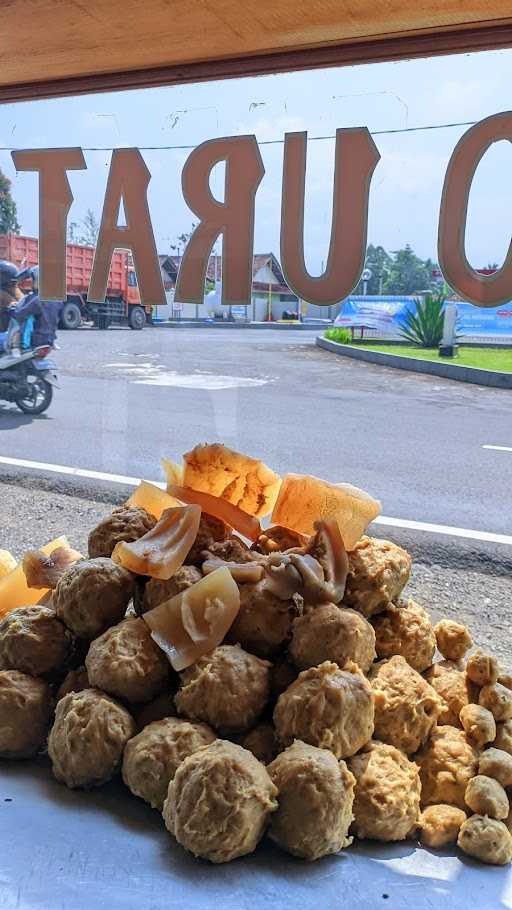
x,y
46,318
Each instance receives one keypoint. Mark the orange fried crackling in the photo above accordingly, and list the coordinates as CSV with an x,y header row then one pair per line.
x,y
239,479
304,499
44,571
173,472
14,590
245,524
195,621
163,550
7,563
152,498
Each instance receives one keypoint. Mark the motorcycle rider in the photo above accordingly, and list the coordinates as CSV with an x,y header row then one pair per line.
x,y
45,314
9,295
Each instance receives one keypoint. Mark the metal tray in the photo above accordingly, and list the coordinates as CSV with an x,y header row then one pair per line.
x,y
69,850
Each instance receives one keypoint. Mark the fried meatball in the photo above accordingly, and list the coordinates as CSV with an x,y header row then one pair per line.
x,y
378,573
406,707
327,632
126,662
219,802
92,595
211,530
227,688
405,629
161,706
454,689
482,669
327,707
479,724
447,763
498,700
264,622
486,839
262,742
33,641
440,825
87,740
453,639
157,591
503,738
497,764
126,523
485,796
74,681
316,793
25,707
151,758
387,797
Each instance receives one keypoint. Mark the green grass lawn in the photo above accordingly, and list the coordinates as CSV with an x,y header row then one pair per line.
x,y
484,358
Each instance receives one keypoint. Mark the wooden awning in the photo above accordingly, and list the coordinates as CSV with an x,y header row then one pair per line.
x,y
55,47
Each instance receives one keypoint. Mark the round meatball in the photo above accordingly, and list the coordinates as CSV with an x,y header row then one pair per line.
x,y
126,523
74,681
151,758
387,797
498,700
504,736
327,632
262,742
479,724
447,763
485,796
486,839
482,669
227,688
25,708
264,622
453,639
378,573
211,531
440,825
92,595
497,764
156,591
126,662
316,793
454,689
33,641
406,707
327,707
405,629
219,802
87,740
161,706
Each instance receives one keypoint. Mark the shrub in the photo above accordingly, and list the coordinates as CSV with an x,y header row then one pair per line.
x,y
342,336
425,326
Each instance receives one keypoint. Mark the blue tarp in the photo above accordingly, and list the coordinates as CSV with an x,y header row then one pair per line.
x,y
385,314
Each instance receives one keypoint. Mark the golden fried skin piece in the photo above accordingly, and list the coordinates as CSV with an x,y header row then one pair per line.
x,y
25,707
262,742
327,707
264,622
405,629
33,641
453,639
497,764
479,724
161,706
227,688
92,595
503,738
378,573
485,796
211,531
157,591
486,839
126,523
126,662
454,689
219,802
88,737
152,758
482,669
498,700
74,681
440,825
387,797
316,793
406,707
328,632
447,763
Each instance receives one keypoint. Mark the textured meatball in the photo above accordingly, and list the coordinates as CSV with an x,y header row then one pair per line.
x,y
482,669
316,793
25,707
161,706
92,595
405,629
126,662
74,681
498,700
479,724
440,825
486,839
264,622
211,531
262,742
447,763
506,680
485,796
151,758
227,688
327,707
88,737
127,523
497,764
219,802
157,591
504,736
387,797
378,573
454,689
453,639
406,707
327,632
33,641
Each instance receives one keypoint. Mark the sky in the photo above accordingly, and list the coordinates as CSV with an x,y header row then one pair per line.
x,y
407,183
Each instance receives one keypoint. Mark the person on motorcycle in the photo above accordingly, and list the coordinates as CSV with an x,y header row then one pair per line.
x,y
9,295
45,314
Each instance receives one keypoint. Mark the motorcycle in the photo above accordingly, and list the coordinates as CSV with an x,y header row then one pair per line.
x,y
27,377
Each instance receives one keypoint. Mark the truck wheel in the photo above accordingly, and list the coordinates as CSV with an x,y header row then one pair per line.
x,y
137,318
71,316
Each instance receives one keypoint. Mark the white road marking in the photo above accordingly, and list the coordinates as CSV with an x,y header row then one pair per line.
x,y
499,448
427,527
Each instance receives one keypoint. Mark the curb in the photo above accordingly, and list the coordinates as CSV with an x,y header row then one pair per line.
x,y
269,326
491,378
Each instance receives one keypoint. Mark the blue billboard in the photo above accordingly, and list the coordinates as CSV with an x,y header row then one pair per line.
x,y
385,314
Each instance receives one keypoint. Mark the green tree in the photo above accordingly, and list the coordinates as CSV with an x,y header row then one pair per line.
x,y
408,274
379,263
84,232
8,214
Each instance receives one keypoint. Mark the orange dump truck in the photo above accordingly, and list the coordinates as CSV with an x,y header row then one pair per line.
x,y
122,303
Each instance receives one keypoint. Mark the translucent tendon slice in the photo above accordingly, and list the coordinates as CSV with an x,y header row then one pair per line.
x,y
14,590
150,497
163,550
197,620
44,571
173,472
242,572
242,522
7,563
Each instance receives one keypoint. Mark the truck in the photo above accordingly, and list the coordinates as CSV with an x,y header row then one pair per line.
x,y
122,303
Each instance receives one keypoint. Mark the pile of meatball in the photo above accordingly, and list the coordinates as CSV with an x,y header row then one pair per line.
x,y
313,722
